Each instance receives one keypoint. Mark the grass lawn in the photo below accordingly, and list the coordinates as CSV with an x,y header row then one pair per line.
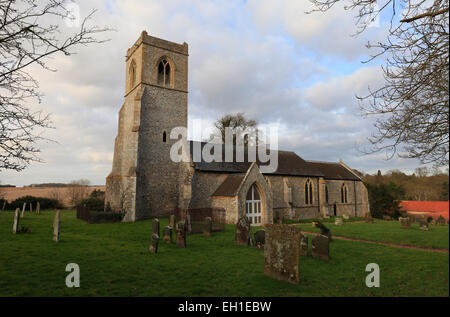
x,y
390,231
114,261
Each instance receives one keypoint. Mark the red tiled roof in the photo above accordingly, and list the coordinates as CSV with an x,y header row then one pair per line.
x,y
433,208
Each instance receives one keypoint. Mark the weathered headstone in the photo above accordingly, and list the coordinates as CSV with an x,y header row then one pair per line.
x,y
207,227
433,222
242,231
16,221
155,226
404,221
260,238
345,215
338,221
23,210
172,221
412,219
154,243
188,223
424,224
38,208
31,207
4,205
441,221
56,226
181,234
368,217
303,245
323,230
282,252
167,234
320,246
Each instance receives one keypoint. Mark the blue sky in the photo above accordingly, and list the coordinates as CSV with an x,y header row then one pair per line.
x,y
265,58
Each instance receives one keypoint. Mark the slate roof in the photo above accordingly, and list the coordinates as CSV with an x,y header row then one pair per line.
x,y
230,185
289,163
334,171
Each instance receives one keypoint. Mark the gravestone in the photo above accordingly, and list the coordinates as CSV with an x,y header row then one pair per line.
x,y
320,246
242,231
404,221
323,230
345,215
154,244
368,217
188,223
433,222
31,207
412,219
4,205
207,228
16,221
282,252
338,221
167,234
181,234
155,226
23,210
424,224
441,221
260,238
56,226
304,245
38,208
172,221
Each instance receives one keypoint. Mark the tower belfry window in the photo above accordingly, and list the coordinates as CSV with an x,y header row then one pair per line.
x,y
164,73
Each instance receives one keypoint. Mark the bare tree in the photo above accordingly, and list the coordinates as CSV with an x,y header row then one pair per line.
x,y
78,190
412,107
30,32
239,125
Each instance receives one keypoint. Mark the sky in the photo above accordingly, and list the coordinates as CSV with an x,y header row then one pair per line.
x,y
268,59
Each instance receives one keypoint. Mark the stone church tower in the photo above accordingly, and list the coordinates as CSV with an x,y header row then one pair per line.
x,y
144,181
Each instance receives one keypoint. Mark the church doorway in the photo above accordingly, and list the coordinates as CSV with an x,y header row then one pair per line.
x,y
334,209
253,206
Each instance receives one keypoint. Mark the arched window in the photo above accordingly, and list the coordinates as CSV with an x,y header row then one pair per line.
x,y
344,194
164,73
253,206
164,137
132,74
308,192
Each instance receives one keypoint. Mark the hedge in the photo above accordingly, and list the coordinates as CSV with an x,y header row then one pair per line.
x,y
45,203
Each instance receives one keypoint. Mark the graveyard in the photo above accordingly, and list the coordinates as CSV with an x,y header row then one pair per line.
x,y
114,260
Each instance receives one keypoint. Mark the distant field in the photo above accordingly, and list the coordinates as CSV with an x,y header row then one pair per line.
x,y
12,193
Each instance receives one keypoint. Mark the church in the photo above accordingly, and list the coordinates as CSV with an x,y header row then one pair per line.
x,y
145,182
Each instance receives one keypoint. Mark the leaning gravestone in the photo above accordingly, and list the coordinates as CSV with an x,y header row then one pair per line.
x,y
441,221
320,246
323,230
338,221
181,234
56,226
172,221
155,226
207,228
242,231
4,205
404,221
424,224
303,245
154,244
282,252
38,208
260,238
167,234
16,221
